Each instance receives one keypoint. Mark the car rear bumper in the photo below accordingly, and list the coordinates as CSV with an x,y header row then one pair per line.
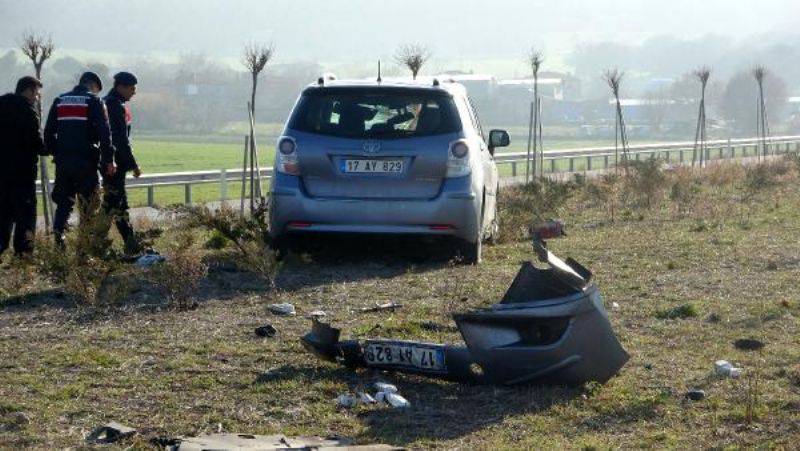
x,y
454,212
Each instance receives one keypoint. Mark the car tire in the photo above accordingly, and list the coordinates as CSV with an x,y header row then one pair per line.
x,y
280,246
471,253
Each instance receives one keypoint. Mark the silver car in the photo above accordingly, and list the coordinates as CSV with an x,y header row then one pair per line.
x,y
390,157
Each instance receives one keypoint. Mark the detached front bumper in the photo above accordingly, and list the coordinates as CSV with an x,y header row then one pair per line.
x,y
454,212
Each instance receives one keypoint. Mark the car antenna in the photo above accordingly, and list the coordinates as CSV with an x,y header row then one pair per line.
x,y
379,71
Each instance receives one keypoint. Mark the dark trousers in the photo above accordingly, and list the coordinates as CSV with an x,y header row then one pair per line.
x,y
71,183
115,203
18,211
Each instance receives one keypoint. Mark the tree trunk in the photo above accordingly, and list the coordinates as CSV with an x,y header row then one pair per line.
x,y
44,177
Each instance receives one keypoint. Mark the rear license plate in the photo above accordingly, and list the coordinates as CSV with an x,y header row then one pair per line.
x,y
362,166
404,355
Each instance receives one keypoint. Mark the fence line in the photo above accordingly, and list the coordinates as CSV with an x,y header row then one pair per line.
x,y
555,161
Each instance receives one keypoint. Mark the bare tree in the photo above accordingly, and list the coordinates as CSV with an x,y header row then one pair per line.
x,y
762,125
413,56
613,77
535,61
255,59
39,48
702,74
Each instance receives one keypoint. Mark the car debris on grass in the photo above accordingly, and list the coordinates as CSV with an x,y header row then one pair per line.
x,y
110,433
271,443
550,327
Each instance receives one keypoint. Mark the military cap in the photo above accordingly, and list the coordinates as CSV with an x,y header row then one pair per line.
x,y
91,77
125,79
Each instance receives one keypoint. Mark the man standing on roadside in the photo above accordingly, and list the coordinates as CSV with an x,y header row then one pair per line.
x,y
78,135
115,201
20,147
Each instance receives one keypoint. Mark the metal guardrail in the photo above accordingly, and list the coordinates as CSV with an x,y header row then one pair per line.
x,y
555,161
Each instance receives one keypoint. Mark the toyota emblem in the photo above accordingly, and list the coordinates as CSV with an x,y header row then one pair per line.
x,y
372,147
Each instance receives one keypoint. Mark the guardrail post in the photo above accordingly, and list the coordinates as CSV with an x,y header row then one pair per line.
x,y
605,162
571,164
553,165
680,156
151,195
637,156
731,152
588,162
513,168
187,194
223,185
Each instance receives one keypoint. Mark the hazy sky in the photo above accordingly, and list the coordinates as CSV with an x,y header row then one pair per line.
x,y
353,30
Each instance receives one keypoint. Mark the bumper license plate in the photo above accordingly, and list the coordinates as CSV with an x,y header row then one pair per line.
x,y
362,166
406,355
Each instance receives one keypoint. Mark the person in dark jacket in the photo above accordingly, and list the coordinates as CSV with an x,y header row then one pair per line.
x,y
116,198
21,145
78,135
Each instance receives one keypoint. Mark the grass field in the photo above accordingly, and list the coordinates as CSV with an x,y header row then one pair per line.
x,y
730,259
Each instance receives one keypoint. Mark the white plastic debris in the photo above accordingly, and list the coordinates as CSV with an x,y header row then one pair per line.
x,y
614,305
148,260
346,400
384,387
397,401
317,314
380,396
726,369
282,309
366,398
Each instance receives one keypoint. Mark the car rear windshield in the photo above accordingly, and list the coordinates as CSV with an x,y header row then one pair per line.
x,y
369,113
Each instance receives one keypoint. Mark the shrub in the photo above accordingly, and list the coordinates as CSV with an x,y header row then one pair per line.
x,y
216,241
16,277
605,191
724,174
87,262
178,277
520,207
684,190
249,236
646,181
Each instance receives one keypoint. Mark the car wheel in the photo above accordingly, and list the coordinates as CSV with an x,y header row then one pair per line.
x,y
494,235
471,253
280,246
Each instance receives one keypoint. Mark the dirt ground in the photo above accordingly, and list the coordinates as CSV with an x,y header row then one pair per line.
x,y
732,266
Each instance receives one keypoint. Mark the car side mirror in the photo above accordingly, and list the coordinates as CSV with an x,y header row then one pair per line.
x,y
498,138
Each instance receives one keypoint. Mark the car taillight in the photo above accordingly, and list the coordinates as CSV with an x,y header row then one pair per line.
x,y
287,161
458,159
459,149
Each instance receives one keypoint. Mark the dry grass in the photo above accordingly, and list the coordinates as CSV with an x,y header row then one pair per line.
x,y
171,372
